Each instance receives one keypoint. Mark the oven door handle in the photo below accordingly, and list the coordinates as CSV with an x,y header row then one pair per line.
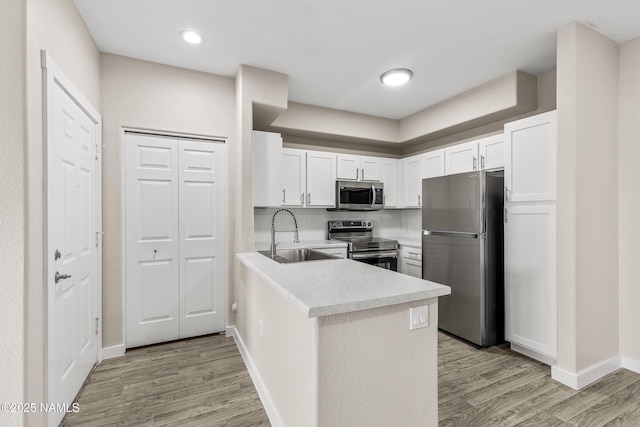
x,y
374,255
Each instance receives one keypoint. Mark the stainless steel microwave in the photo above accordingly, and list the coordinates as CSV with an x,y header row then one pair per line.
x,y
359,196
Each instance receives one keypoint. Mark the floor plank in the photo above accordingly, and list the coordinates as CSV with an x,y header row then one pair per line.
x,y
204,382
197,382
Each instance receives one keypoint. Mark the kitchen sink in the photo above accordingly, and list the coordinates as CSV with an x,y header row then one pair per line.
x,y
285,256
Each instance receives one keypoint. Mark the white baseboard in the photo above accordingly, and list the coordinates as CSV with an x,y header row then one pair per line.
x,y
533,354
586,376
267,402
631,364
113,351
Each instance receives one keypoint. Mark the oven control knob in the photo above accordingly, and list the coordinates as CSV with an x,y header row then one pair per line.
x,y
369,224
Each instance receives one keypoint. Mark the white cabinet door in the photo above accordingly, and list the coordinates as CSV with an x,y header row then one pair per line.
x,y
414,268
530,277
321,179
390,181
491,151
370,168
348,167
293,172
461,158
266,148
530,158
434,164
359,168
413,168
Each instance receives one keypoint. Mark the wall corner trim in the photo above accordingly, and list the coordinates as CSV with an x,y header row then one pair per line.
x,y
113,351
265,398
631,364
586,376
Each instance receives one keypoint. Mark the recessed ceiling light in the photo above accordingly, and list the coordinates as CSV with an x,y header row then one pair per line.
x,y
396,77
191,36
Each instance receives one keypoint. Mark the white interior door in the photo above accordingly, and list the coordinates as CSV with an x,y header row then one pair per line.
x,y
202,237
152,239
175,238
72,250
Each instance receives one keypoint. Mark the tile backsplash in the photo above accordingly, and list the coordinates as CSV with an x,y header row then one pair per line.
x,y
312,223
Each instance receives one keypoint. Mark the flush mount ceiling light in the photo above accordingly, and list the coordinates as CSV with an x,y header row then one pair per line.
x,y
191,36
396,77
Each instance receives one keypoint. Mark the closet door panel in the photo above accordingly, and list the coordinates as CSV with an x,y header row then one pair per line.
x,y
202,237
151,242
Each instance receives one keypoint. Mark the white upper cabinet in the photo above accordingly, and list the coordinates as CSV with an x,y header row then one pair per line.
x,y
491,151
461,158
266,168
359,168
321,179
293,177
413,170
434,164
307,178
530,158
391,183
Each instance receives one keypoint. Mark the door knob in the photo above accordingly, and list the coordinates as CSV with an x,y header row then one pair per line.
x,y
59,276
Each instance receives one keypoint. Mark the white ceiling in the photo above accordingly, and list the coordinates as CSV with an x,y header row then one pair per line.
x,y
335,50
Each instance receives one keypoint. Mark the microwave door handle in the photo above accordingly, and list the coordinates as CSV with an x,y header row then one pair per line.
x,y
373,195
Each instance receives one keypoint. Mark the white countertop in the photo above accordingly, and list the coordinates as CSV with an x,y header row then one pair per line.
x,y
326,287
415,242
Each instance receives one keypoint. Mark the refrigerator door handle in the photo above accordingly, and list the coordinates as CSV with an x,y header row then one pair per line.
x,y
453,234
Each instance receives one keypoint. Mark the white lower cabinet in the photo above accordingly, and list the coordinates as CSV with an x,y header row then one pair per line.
x,y
411,261
530,277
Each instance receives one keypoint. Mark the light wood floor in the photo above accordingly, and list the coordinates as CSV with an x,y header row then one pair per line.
x,y
197,382
203,382
498,387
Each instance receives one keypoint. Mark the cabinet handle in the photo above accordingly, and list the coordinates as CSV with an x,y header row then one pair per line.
x,y
506,193
283,195
357,172
419,200
481,162
308,199
505,215
363,174
302,199
474,162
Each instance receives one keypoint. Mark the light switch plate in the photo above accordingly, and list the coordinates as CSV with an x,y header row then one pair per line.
x,y
418,317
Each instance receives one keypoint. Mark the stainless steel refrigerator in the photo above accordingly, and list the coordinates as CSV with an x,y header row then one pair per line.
x,y
462,247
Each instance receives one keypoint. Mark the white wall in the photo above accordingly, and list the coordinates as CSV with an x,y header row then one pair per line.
x,y
12,209
374,371
588,316
56,26
286,355
144,95
629,203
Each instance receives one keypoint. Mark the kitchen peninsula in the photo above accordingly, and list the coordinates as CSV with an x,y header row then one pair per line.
x,y
329,342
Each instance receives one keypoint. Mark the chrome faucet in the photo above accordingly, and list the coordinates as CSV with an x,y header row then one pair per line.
x,y
273,230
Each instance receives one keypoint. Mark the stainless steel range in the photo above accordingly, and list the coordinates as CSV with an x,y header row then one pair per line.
x,y
362,246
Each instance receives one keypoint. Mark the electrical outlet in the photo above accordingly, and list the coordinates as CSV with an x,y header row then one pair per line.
x,y
418,317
